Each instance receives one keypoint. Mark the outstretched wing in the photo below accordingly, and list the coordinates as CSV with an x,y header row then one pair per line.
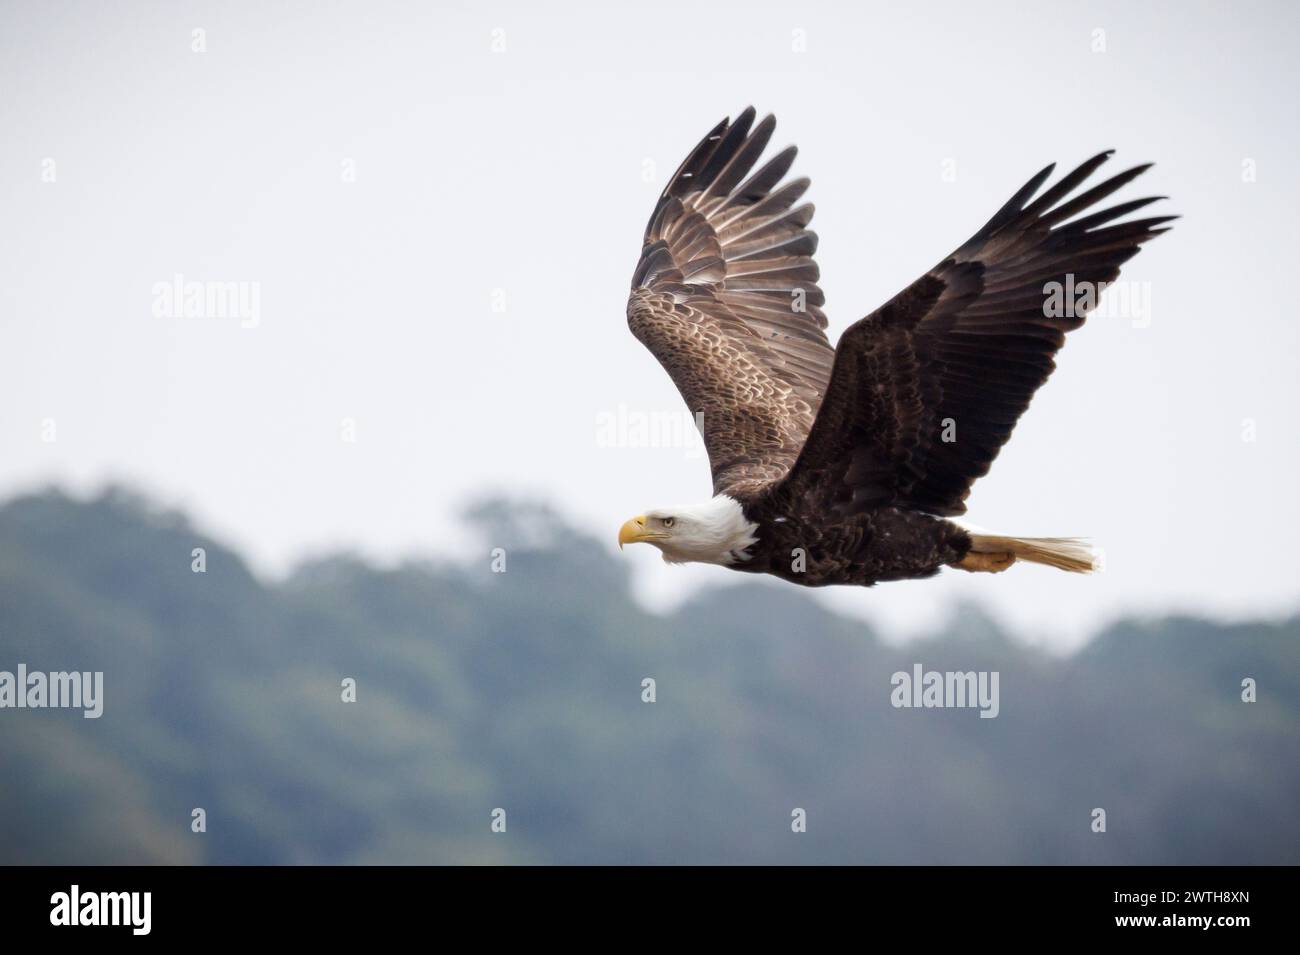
x,y
725,296
927,389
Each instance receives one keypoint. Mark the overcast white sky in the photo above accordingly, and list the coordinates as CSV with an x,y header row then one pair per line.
x,y
525,170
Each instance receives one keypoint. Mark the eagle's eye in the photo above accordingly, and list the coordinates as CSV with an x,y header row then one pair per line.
x,y
669,521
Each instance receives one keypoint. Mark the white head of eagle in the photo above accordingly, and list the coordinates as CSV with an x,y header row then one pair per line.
x,y
713,533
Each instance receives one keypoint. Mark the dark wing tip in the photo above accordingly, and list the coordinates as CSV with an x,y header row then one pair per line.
x,y
1038,179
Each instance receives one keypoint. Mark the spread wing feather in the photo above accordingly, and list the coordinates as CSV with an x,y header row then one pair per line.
x,y
926,390
725,296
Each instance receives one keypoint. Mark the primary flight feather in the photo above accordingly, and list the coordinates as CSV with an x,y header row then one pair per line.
x,y
840,465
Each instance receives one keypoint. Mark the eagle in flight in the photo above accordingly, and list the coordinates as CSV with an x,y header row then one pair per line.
x,y
843,465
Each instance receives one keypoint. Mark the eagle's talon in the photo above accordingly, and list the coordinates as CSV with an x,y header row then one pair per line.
x,y
986,563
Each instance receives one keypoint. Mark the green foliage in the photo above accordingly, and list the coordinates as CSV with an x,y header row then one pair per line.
x,y
522,690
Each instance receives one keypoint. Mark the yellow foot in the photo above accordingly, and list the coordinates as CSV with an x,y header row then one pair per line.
x,y
987,563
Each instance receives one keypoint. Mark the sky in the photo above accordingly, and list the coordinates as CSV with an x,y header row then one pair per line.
x,y
418,223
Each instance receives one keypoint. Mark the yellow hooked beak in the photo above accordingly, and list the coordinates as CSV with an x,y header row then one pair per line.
x,y
634,532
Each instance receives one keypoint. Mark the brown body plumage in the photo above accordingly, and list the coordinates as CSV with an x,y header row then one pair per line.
x,y
848,459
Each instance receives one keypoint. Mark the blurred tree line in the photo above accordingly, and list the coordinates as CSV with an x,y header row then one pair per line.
x,y
524,691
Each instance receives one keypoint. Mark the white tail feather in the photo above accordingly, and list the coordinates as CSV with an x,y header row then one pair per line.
x,y
1063,553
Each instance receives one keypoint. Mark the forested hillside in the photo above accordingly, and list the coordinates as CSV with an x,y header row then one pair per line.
x,y
523,691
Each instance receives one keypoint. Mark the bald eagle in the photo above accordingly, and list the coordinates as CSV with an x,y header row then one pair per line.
x,y
844,465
